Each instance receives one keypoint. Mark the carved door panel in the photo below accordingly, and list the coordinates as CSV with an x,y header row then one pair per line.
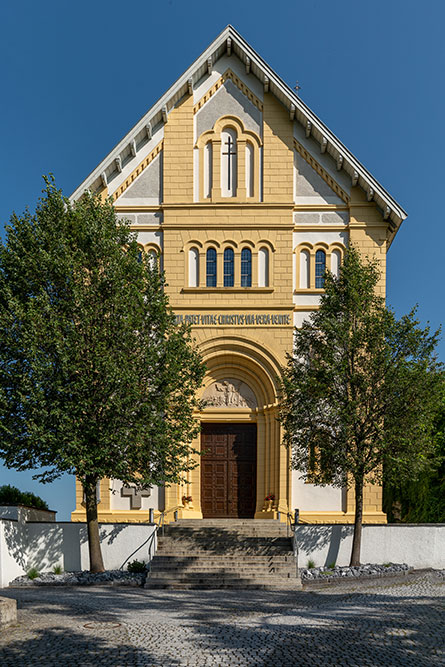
x,y
228,470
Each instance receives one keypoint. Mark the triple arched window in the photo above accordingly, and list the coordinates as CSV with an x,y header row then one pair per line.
x,y
312,264
229,162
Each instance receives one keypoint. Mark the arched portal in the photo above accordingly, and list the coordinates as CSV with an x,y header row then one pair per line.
x,y
242,457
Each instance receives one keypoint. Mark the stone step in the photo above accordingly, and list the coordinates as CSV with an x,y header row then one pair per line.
x,y
215,583
204,563
219,558
198,576
233,566
236,553
221,541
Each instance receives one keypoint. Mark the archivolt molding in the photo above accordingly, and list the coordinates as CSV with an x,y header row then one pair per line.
x,y
228,74
248,360
322,172
138,171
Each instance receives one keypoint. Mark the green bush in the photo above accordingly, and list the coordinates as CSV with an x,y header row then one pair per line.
x,y
33,573
10,495
57,569
137,566
310,564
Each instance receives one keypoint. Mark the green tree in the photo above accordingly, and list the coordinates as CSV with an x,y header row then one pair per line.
x,y
360,391
422,500
96,378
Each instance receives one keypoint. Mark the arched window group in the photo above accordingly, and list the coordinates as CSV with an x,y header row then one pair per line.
x,y
229,161
312,264
237,269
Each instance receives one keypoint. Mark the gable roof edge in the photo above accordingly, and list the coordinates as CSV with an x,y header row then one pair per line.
x,y
392,211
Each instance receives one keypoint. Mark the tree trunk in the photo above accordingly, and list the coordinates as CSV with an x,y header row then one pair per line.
x,y
96,562
357,539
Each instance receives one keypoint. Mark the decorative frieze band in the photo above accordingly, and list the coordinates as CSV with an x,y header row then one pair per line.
x,y
138,171
238,83
321,172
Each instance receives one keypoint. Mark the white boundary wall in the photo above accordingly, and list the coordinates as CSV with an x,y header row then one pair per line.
x,y
43,545
418,545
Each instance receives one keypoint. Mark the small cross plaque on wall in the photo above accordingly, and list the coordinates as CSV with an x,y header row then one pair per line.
x,y
135,496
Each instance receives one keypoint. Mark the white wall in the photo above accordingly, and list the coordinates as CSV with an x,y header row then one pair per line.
x,y
418,545
309,497
43,545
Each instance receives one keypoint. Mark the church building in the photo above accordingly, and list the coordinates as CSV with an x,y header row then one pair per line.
x,y
247,198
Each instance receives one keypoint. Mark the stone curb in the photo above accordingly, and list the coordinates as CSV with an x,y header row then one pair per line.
x,y
8,612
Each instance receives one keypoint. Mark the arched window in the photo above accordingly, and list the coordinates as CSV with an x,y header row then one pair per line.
x,y
153,258
304,269
228,162
246,268
250,166
211,267
320,268
193,267
263,267
335,263
208,153
229,267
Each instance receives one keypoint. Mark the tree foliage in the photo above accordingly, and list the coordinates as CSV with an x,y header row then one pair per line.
x,y
360,390
96,378
11,495
422,500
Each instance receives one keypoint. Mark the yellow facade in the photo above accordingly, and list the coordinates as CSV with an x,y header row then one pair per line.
x,y
263,214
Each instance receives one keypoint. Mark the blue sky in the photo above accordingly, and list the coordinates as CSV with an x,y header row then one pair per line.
x,y
76,77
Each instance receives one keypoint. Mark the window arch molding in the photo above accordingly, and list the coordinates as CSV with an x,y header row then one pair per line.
x,y
245,164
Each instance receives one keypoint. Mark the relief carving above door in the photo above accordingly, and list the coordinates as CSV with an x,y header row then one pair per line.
x,y
229,393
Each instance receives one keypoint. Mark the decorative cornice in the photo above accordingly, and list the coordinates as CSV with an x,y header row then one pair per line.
x,y
138,171
321,172
228,74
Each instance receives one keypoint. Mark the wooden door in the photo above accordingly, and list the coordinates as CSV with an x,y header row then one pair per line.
x,y
228,470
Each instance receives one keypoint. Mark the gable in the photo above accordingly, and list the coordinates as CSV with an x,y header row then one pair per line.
x,y
230,50
310,188
146,189
228,101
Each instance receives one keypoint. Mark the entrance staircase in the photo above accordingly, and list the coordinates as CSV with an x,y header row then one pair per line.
x,y
224,553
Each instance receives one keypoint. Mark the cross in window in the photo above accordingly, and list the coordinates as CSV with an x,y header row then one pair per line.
x,y
229,154
135,496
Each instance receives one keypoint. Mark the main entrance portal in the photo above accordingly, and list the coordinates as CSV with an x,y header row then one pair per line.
x,y
228,470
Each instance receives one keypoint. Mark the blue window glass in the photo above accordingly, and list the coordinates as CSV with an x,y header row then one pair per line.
x,y
320,268
246,268
229,267
211,267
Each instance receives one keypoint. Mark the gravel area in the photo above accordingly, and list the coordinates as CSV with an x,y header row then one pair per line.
x,y
368,570
374,622
84,578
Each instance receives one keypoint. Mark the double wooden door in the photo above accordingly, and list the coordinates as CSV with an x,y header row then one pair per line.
x,y
228,470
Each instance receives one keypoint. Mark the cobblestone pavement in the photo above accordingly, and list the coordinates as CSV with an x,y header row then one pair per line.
x,y
378,623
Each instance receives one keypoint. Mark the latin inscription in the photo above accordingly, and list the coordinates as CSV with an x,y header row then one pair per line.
x,y
238,319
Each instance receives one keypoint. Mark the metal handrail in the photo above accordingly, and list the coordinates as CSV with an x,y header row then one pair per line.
x,y
150,539
291,523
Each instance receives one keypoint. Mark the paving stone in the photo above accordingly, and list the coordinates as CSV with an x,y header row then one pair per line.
x,y
356,623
